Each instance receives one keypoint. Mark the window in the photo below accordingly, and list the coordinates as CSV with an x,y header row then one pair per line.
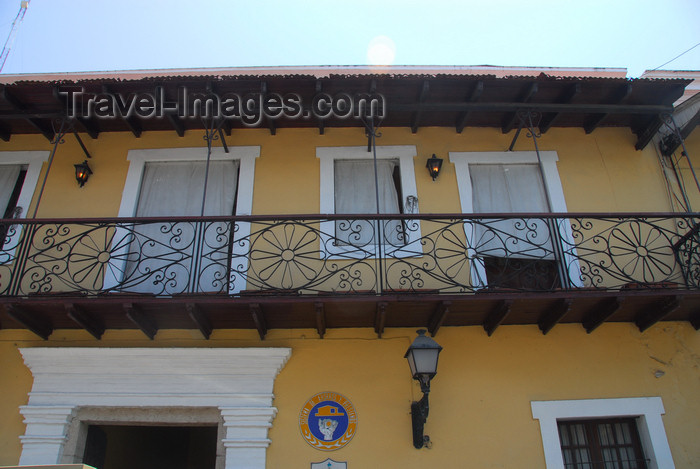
x,y
574,430
354,194
169,182
19,174
11,179
347,186
171,189
513,253
601,444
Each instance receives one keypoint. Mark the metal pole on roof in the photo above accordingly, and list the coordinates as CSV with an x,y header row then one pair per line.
x,y
676,130
552,223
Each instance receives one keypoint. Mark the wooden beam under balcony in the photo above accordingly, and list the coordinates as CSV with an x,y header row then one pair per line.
x,y
438,317
554,314
320,319
656,312
200,319
497,315
600,313
90,322
259,319
380,318
695,321
141,319
34,323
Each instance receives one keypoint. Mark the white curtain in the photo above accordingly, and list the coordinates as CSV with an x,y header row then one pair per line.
x,y
8,180
510,188
355,194
157,261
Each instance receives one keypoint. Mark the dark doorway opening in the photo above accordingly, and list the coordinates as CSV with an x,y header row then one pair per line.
x,y
150,447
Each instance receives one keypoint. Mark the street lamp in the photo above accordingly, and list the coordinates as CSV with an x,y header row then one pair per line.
x,y
422,358
82,173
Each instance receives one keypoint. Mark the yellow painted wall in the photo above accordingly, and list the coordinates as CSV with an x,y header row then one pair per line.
x,y
599,172
480,400
480,404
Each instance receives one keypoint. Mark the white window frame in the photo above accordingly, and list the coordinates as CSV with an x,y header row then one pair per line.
x,y
552,186
405,154
646,410
246,155
33,161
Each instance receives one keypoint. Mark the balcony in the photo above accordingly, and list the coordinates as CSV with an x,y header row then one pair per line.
x,y
265,272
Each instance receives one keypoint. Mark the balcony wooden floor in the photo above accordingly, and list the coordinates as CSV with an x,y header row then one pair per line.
x,y
590,308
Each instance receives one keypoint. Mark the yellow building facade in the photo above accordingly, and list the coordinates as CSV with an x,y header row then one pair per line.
x,y
615,343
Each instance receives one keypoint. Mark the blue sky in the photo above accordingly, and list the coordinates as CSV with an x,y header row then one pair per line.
x,y
90,35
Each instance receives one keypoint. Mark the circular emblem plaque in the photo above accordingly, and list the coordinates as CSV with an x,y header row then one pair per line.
x,y
328,421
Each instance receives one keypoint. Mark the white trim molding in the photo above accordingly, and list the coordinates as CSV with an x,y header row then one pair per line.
x,y
237,381
327,156
139,158
647,411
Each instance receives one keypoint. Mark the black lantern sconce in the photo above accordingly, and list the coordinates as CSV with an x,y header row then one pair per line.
x,y
434,164
422,358
82,173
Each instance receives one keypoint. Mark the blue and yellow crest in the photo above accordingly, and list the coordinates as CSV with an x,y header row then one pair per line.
x,y
328,421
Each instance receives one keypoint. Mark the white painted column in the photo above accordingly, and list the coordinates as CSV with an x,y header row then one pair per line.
x,y
43,441
246,435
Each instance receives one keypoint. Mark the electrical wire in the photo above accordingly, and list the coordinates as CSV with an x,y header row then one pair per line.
x,y
678,56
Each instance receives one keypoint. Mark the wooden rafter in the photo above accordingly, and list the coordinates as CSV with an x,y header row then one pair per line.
x,y
5,132
131,122
511,119
567,96
141,320
618,97
422,96
177,124
259,319
200,319
497,315
474,96
37,325
36,122
321,125
554,314
438,317
90,322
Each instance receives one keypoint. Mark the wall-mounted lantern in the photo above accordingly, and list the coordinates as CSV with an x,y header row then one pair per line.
x,y
434,164
82,173
422,358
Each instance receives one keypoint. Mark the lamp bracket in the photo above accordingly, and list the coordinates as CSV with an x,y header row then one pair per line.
x,y
419,415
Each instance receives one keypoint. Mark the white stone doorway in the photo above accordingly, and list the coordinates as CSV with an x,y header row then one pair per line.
x,y
76,387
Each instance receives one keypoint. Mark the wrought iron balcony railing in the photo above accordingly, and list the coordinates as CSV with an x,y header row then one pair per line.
x,y
343,254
